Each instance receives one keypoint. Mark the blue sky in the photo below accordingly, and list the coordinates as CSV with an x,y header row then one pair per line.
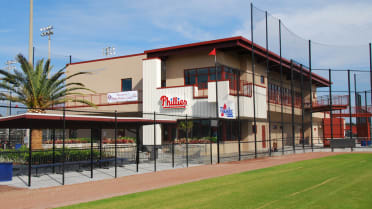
x,y
84,27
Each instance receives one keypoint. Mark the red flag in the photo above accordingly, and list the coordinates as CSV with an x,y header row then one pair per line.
x,y
213,52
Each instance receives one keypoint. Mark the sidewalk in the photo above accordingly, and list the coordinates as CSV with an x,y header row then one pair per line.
x,y
94,190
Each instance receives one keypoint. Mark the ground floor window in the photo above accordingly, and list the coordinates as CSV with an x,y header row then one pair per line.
x,y
198,131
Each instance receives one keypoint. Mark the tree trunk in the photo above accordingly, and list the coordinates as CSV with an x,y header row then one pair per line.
x,y
37,139
36,134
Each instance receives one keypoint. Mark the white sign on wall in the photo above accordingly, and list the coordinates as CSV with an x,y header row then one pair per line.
x,y
226,110
125,96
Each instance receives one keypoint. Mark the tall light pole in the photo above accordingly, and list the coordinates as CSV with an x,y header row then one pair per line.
x,y
10,66
30,45
47,31
108,51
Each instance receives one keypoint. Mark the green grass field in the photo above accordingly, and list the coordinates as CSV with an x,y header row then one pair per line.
x,y
342,181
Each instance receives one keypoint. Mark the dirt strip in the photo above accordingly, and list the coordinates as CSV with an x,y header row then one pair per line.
x,y
89,191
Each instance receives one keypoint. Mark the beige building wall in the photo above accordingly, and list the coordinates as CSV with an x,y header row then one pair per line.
x,y
105,77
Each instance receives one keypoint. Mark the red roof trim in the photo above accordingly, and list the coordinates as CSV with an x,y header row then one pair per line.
x,y
151,58
261,51
103,59
193,44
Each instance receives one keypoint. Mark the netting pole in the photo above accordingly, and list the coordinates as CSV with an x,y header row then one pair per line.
x,y
54,149
330,104
63,145
29,158
311,99
187,144
137,146
350,115
370,77
253,87
302,109
116,144
268,81
281,85
292,108
91,153
154,150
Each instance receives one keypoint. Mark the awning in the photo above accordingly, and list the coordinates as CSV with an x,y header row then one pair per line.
x,y
41,121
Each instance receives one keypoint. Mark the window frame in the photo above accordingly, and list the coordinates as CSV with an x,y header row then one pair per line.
x,y
131,84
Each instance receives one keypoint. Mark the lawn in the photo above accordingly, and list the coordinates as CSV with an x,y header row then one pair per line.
x,y
342,181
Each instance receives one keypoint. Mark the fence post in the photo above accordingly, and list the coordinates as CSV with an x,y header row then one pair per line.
x,y
63,146
350,115
54,149
91,153
29,158
187,144
239,122
330,104
137,146
281,85
154,142
116,144
100,147
211,151
173,154
311,99
292,107
268,81
302,110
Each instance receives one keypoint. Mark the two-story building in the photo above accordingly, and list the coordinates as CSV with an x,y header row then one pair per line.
x,y
180,81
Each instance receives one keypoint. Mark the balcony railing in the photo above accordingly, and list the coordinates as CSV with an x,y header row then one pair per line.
x,y
326,101
201,89
277,98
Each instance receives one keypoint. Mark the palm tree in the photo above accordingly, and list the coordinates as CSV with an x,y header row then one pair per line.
x,y
34,88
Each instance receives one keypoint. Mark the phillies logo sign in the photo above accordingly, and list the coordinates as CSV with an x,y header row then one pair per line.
x,y
174,102
226,112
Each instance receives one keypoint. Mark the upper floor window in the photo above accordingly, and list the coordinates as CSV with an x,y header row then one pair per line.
x,y
262,79
126,84
201,76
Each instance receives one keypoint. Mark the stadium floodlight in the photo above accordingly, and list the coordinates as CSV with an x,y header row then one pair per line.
x,y
47,31
10,66
109,51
